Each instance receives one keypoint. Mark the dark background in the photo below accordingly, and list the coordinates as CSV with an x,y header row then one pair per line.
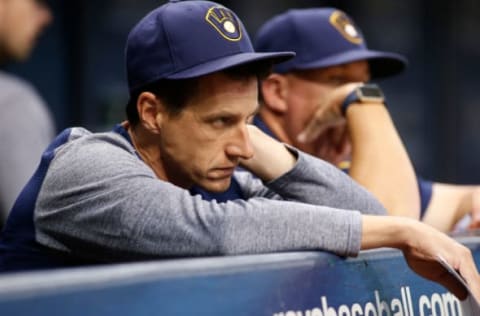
x,y
78,68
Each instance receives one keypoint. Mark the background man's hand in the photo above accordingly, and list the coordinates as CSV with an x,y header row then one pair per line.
x,y
328,114
334,144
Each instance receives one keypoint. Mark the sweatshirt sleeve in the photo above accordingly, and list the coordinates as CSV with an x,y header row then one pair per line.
x,y
99,201
317,182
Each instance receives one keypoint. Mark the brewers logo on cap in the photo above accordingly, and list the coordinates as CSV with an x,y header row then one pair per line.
x,y
346,27
225,22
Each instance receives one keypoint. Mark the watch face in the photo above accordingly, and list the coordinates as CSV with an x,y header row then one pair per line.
x,y
371,91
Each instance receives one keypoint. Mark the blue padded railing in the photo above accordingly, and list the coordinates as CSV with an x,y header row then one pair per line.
x,y
376,283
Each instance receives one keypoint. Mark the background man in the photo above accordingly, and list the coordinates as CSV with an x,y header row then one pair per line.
x,y
300,108
26,127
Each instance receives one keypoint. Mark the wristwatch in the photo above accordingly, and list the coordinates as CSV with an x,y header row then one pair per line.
x,y
368,93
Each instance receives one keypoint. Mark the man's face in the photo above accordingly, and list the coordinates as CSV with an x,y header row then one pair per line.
x,y
307,91
21,21
204,143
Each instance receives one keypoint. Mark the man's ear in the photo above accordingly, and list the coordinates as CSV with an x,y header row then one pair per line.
x,y
150,112
274,93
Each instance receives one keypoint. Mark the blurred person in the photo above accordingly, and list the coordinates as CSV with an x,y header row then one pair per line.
x,y
26,126
300,108
124,195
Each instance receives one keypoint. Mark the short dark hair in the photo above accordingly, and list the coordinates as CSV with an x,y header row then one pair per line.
x,y
177,93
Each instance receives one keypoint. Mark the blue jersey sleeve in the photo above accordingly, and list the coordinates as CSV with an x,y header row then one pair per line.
x,y
425,188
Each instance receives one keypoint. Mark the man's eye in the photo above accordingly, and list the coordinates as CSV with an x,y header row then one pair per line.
x,y
221,121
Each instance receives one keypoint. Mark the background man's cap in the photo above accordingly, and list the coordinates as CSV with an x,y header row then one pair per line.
x,y
186,39
323,37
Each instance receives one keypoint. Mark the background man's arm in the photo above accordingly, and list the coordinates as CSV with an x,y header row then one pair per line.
x,y
379,160
450,203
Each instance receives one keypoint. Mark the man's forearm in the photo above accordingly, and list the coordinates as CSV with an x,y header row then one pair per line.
x,y
380,161
271,158
384,231
449,204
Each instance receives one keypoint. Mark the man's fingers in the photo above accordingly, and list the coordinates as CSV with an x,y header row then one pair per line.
x,y
339,132
328,114
314,128
311,132
469,272
318,125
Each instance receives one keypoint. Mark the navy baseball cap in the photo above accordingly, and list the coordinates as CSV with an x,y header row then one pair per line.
x,y
186,39
323,37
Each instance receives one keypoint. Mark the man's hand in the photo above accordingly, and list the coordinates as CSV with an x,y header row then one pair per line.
x,y
328,113
422,245
334,145
271,158
422,256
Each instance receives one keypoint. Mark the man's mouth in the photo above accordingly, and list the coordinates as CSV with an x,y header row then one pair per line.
x,y
221,173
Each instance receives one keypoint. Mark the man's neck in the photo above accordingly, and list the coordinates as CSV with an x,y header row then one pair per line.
x,y
147,146
147,149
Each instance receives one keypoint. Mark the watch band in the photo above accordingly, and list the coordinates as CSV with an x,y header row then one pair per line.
x,y
351,98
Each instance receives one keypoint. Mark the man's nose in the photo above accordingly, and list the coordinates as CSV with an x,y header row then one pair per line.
x,y
241,146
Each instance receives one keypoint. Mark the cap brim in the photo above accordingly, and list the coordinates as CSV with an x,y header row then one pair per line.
x,y
230,61
382,64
